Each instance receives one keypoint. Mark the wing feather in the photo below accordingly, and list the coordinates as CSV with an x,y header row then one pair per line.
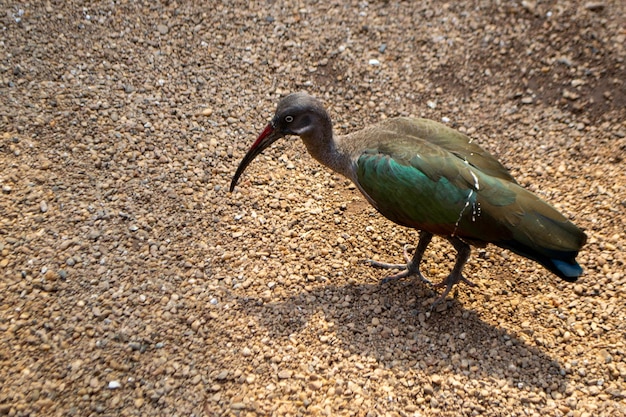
x,y
418,184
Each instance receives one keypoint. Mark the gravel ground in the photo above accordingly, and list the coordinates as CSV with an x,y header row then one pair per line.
x,y
133,283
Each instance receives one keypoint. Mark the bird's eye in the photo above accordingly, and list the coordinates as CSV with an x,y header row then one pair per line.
x,y
289,119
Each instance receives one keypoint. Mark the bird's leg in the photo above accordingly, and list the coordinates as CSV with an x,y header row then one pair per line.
x,y
412,267
463,254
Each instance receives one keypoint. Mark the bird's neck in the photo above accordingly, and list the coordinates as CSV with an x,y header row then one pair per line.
x,y
326,148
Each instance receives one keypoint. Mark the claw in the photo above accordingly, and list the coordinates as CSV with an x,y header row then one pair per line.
x,y
405,252
412,266
384,265
394,277
409,270
449,283
462,279
406,270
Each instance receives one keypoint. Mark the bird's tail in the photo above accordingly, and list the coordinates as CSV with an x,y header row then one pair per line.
x,y
549,239
561,263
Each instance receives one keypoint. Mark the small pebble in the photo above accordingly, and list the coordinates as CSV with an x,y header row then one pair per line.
x,y
579,289
315,385
94,382
595,6
284,374
238,406
114,385
195,325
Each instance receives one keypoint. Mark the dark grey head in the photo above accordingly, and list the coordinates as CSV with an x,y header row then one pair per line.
x,y
297,114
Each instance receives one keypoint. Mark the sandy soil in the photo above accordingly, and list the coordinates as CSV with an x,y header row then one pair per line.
x,y
133,283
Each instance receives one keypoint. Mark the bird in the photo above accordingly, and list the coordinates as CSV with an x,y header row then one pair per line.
x,y
424,175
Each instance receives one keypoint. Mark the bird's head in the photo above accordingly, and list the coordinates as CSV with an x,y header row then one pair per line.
x,y
297,114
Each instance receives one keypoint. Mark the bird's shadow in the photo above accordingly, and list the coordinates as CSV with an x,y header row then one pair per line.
x,y
393,325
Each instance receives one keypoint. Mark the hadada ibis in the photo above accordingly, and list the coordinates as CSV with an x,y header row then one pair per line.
x,y
422,174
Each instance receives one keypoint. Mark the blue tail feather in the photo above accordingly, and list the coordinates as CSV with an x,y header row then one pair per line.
x,y
568,269
563,264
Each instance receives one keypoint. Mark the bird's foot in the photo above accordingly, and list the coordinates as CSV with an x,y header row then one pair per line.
x,y
408,269
399,275
449,282
408,272
453,281
384,265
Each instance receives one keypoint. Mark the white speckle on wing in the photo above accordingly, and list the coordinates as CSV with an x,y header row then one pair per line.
x,y
476,184
475,180
475,211
467,203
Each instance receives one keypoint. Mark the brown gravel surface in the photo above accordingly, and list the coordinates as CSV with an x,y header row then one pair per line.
x,y
134,284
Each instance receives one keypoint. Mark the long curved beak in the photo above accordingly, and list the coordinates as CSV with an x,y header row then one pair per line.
x,y
268,136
